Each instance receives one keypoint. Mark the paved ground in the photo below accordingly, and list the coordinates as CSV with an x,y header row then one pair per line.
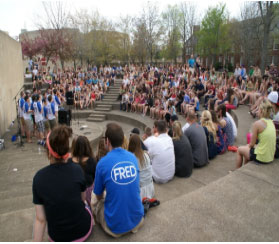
x,y
211,205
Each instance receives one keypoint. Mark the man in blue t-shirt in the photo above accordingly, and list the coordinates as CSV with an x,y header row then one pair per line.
x,y
191,62
121,210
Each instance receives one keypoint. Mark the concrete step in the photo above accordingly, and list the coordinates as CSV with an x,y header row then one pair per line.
x,y
27,80
107,103
113,93
103,109
112,96
109,100
19,222
96,112
104,106
97,116
95,119
29,85
16,203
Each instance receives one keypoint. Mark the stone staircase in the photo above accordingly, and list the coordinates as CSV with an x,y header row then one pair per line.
x,y
104,106
28,85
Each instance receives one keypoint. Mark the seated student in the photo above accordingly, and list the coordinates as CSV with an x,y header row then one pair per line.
x,y
182,151
117,173
197,138
210,132
263,130
146,181
82,154
226,124
137,132
102,150
59,194
161,151
273,99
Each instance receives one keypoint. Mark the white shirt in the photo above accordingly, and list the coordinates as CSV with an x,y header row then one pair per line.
x,y
233,124
185,127
37,113
35,71
276,117
161,152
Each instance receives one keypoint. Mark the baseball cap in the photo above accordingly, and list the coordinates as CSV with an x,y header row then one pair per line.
x,y
273,97
135,131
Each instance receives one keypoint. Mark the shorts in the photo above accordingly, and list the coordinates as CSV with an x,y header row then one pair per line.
x,y
33,118
22,121
29,124
52,123
41,126
253,156
46,124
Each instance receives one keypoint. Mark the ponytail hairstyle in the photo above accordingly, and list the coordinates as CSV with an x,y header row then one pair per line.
x,y
58,142
266,109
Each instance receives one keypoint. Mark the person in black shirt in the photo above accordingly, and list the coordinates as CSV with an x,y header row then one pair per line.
x,y
182,151
82,155
59,194
199,88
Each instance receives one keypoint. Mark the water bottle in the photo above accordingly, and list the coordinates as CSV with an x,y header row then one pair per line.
x,y
39,150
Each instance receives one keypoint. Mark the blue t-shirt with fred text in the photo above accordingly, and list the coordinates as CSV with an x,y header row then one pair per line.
x,y
118,174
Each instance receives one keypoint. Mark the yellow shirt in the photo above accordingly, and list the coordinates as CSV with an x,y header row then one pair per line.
x,y
265,149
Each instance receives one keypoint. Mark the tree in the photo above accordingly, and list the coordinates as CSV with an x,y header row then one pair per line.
x,y
56,15
139,47
152,22
30,48
268,12
171,24
125,26
187,20
213,38
248,32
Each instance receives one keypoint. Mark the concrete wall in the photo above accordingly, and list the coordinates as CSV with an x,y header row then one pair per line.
x,y
11,79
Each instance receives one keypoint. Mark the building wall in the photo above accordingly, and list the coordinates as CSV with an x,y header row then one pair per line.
x,y
11,79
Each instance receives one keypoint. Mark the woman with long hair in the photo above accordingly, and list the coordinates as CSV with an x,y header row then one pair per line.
x,y
264,131
82,154
59,194
210,132
146,181
221,137
182,151
102,151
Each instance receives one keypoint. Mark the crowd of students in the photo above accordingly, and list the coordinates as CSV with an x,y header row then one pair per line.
x,y
38,110
115,188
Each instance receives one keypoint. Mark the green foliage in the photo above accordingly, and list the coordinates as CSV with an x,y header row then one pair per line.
x,y
172,42
218,66
213,37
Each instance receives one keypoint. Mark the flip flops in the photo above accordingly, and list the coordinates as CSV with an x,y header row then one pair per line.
x,y
232,148
152,202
